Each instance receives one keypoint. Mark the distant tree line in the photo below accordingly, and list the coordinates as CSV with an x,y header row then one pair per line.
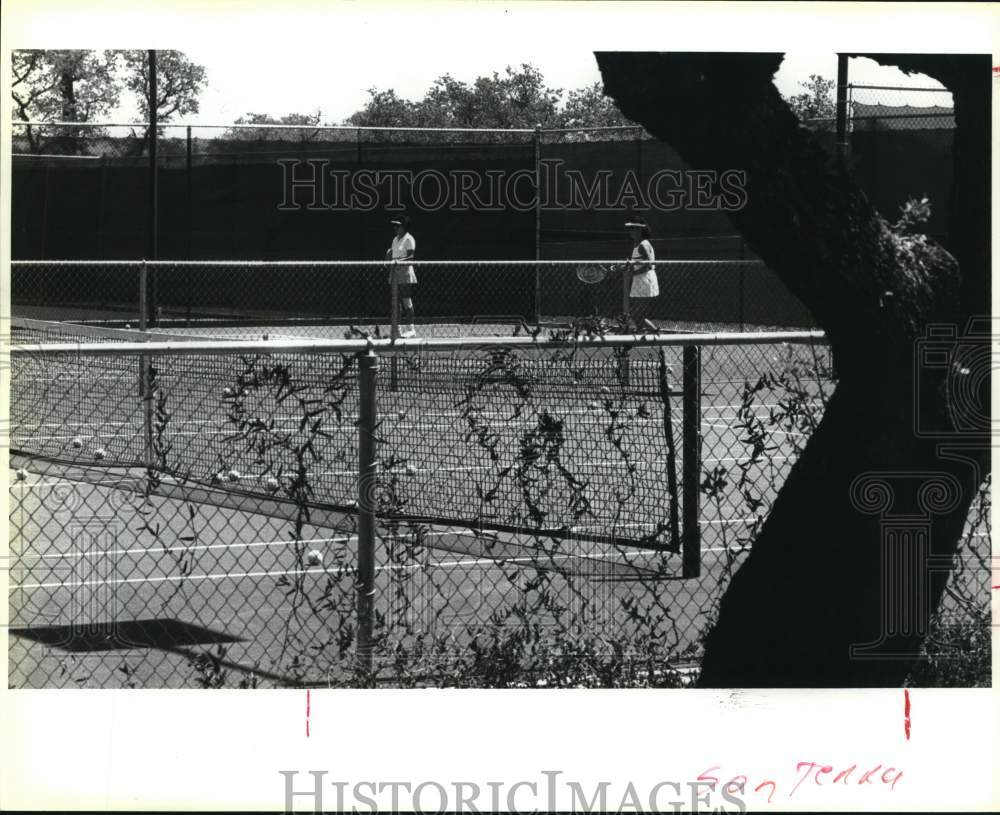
x,y
85,86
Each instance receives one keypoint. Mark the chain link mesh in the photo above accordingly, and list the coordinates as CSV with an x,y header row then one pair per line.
x,y
450,298
189,517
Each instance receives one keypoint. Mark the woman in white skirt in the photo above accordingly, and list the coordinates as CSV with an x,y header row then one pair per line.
x,y
642,266
403,247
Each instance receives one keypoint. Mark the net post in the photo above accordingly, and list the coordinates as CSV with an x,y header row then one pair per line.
x,y
394,327
691,479
626,289
368,365
626,316
143,293
743,274
145,393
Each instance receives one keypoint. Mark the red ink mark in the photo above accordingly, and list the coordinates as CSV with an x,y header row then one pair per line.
x,y
774,789
996,70
867,777
307,712
709,778
906,713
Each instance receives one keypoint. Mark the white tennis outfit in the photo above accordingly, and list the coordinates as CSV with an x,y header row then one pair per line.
x,y
645,284
401,247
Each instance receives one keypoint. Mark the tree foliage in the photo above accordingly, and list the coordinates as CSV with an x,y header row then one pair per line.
x,y
179,82
81,86
307,121
817,102
73,86
516,98
809,605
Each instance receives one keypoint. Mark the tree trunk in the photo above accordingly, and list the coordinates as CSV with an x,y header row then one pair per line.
x,y
66,83
813,595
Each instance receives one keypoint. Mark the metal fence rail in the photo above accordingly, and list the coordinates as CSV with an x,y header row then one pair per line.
x,y
450,298
562,510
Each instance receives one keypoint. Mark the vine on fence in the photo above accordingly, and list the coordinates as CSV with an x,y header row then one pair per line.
x,y
548,625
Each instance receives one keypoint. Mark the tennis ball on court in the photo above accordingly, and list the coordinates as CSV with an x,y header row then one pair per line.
x,y
315,558
99,453
77,443
272,483
234,475
128,325
21,474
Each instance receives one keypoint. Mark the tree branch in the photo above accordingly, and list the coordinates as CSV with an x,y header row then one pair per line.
x,y
804,216
813,586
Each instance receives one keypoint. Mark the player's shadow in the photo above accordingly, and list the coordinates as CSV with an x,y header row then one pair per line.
x,y
163,634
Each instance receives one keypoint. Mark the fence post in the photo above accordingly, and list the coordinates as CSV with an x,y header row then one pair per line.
x,y
145,392
638,157
538,223
361,215
190,195
101,195
143,285
691,479
153,195
626,289
45,210
842,106
367,419
394,326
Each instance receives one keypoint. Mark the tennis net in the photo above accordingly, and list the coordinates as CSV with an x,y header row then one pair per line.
x,y
556,438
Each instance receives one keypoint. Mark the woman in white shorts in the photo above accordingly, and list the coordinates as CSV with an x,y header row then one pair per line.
x,y
403,247
642,265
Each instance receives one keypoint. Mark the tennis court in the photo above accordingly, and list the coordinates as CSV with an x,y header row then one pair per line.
x,y
508,481
525,520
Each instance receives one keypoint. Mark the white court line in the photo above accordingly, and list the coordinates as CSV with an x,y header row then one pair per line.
x,y
432,471
182,546
770,431
228,546
166,579
388,417
102,482
499,562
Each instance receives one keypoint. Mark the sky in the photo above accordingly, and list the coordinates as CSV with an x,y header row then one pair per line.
x,y
298,56
335,81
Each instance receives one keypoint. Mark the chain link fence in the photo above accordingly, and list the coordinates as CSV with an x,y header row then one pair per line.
x,y
449,298
80,191
900,144
551,511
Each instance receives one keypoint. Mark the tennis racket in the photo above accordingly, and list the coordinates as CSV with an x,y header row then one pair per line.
x,y
591,273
